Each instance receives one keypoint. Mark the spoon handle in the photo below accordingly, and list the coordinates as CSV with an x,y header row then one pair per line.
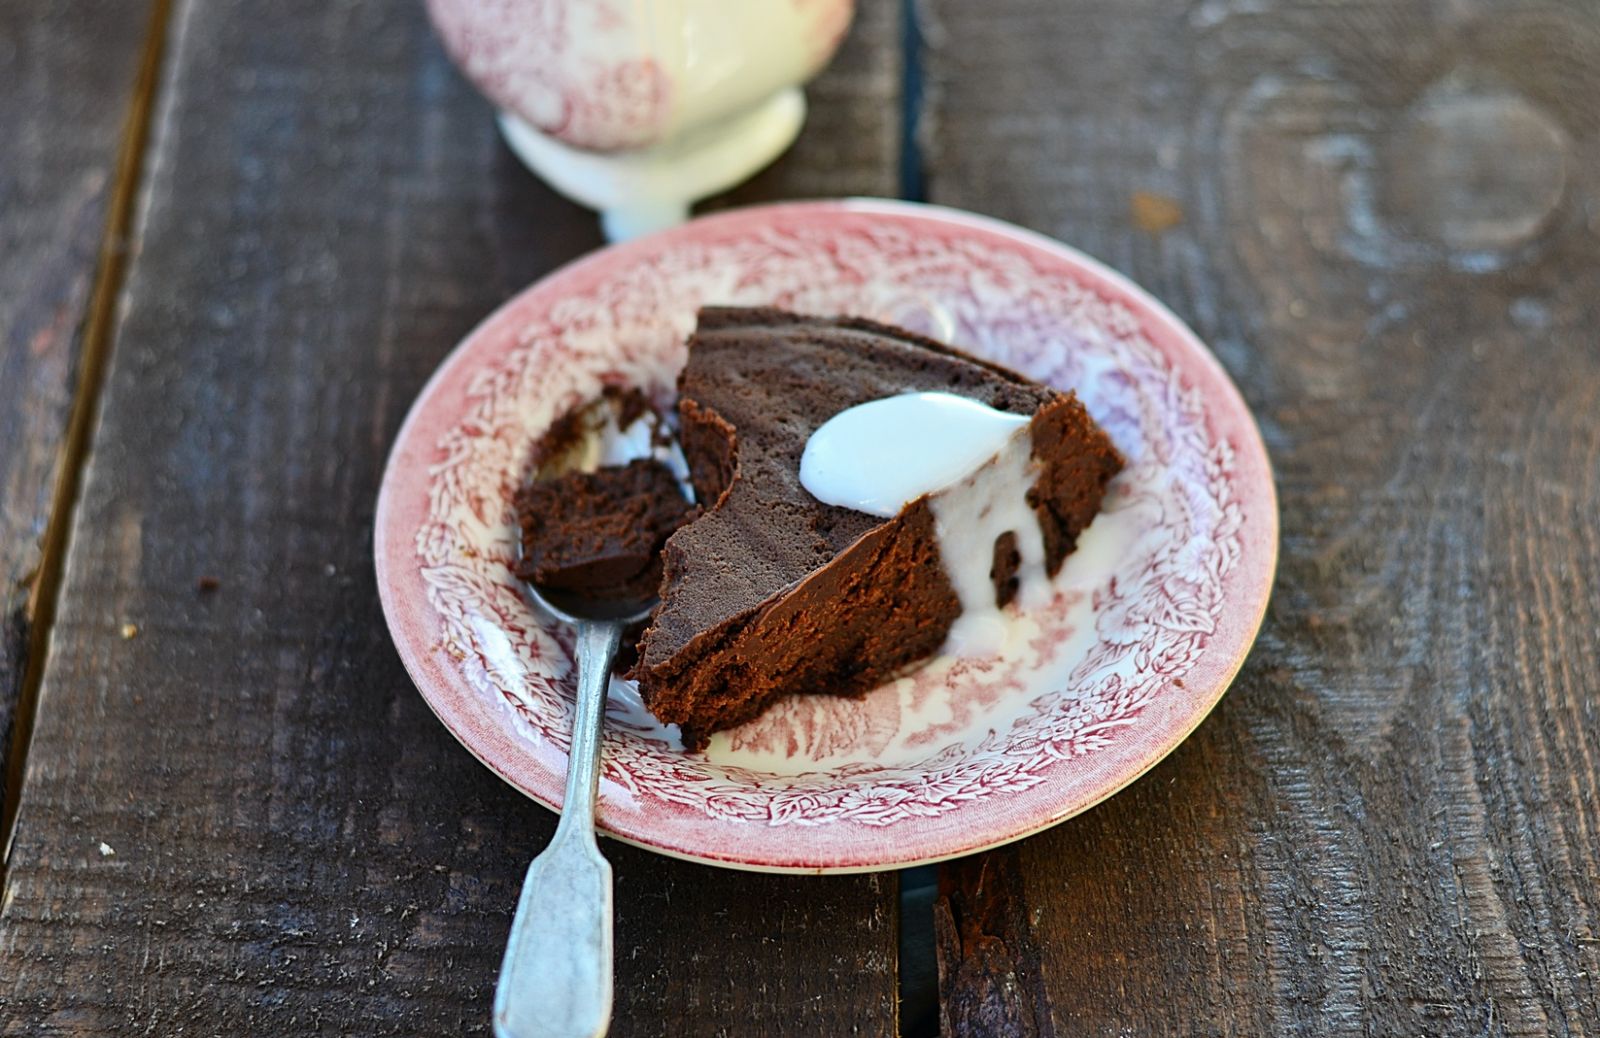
x,y
555,981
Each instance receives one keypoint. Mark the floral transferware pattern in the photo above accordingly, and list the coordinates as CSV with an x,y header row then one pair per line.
x,y
1103,666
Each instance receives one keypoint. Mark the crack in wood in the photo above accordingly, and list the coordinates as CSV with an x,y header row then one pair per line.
x,y
31,626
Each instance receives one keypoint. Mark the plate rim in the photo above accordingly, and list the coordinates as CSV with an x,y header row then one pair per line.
x,y
1254,446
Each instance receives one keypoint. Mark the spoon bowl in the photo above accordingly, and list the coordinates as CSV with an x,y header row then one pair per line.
x,y
574,609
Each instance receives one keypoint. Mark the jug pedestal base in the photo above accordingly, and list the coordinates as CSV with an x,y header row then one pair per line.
x,y
637,192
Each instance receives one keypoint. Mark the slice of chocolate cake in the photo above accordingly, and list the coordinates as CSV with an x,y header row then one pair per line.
x,y
771,592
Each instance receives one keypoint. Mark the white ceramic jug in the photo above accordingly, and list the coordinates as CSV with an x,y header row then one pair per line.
x,y
638,108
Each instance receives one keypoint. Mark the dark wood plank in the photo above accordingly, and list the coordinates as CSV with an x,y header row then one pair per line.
x,y
70,73
1382,216
243,819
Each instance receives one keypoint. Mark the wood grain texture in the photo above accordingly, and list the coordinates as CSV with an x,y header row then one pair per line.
x,y
1384,221
69,74
243,819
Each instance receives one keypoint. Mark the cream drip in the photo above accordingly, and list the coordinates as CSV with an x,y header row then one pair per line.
x,y
968,519
975,465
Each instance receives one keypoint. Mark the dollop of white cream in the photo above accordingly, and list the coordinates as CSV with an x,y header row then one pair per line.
x,y
975,462
879,456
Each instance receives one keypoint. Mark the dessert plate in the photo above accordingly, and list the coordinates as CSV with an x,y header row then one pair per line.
x,y
1149,621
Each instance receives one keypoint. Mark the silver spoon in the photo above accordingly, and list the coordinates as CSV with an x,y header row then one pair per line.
x,y
555,981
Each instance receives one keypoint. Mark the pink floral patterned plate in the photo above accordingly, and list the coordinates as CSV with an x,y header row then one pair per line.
x,y
1150,620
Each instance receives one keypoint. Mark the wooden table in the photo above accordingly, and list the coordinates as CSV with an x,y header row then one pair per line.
x,y
235,238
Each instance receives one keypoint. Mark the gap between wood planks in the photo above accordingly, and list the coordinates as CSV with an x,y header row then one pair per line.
x,y
100,319
913,184
917,971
